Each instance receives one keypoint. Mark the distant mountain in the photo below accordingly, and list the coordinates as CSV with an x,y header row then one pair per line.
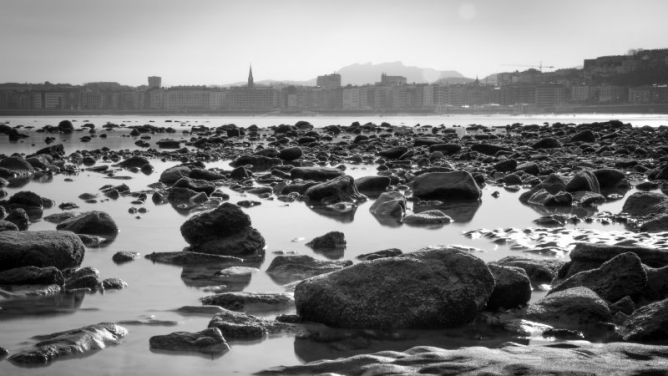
x,y
360,74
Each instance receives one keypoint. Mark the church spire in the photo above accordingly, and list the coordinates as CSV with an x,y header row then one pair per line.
x,y
250,76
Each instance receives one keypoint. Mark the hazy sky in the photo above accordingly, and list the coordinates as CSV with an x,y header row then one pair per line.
x,y
213,42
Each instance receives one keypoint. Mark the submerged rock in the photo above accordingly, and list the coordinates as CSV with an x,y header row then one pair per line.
x,y
225,230
239,325
648,323
433,217
32,275
446,186
71,343
574,308
208,341
340,189
60,249
512,287
91,223
250,301
586,256
426,289
289,268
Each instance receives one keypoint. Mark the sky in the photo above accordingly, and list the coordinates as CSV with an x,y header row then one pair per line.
x,y
213,42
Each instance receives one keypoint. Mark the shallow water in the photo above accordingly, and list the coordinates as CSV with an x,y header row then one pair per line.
x,y
156,289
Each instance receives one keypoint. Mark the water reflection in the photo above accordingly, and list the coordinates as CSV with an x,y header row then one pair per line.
x,y
64,303
341,213
459,211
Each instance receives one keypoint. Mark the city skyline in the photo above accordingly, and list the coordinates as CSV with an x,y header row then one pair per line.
x,y
213,43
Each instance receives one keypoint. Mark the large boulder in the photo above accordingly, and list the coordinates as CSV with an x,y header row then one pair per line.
x,y
17,166
225,230
258,162
648,323
372,185
574,308
586,256
512,287
289,268
389,208
250,301
72,343
61,249
340,189
426,289
540,272
583,181
621,276
446,186
32,275
90,223
611,180
173,174
650,209
553,184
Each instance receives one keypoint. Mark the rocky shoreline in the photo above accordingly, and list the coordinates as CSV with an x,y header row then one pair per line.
x,y
610,289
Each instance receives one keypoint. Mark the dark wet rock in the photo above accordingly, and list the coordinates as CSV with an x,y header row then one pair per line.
x,y
8,226
258,162
71,343
330,241
250,301
289,268
40,248
32,275
621,276
315,173
17,166
585,136
506,165
511,359
241,173
192,258
390,252
389,208
625,305
19,218
547,143
31,202
612,180
586,256
54,151
446,186
225,230
433,217
393,152
512,287
447,149
648,323
208,341
3,352
65,126
529,167
539,271
339,189
196,185
185,198
84,278
430,288
134,162
573,308
91,223
650,209
173,174
242,326
121,257
588,199
290,154
583,181
113,284
657,284
372,185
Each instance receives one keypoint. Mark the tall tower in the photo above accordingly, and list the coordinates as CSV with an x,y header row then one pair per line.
x,y
250,76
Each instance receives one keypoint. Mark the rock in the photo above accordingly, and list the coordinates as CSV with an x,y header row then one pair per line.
x,y
572,308
206,310
225,230
657,283
249,301
539,271
84,278
192,258
394,152
19,218
547,143
91,223
650,208
512,287
329,241
196,185
208,341
168,143
173,174
40,248
428,289
239,325
553,184
658,223
390,252
258,162
290,154
545,198
339,189
8,226
113,284
506,165
612,180
372,185
447,149
621,276
586,256
18,166
583,181
564,358
32,275
488,149
71,343
389,208
529,167
648,323
121,257
65,126
446,186
315,173
433,217
585,136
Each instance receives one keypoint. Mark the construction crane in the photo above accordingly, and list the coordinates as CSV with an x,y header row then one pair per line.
x,y
540,66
